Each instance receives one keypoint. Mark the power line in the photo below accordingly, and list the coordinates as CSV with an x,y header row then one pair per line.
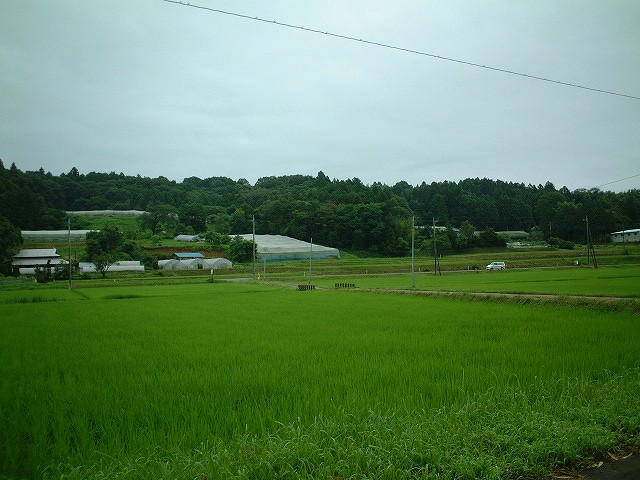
x,y
402,49
616,181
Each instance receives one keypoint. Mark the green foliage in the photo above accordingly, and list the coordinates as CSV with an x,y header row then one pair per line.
x,y
194,217
10,239
489,238
345,214
241,250
158,217
560,243
43,273
107,246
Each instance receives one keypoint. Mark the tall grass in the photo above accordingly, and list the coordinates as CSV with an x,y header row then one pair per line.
x,y
243,373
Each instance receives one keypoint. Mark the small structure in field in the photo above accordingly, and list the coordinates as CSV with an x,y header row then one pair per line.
x,y
195,264
188,238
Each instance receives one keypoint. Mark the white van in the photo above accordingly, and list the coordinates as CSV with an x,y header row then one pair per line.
x,y
496,266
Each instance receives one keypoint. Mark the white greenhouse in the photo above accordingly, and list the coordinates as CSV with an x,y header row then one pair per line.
x,y
121,266
278,248
54,236
107,213
188,238
195,264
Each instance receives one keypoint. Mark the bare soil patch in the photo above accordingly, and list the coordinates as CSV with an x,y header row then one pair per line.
x,y
621,466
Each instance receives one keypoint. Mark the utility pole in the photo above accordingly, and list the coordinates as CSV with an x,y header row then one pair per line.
x,y
310,257
436,262
69,241
591,253
413,256
254,246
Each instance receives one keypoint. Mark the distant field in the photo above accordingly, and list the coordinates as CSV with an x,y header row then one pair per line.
x,y
608,256
246,380
604,281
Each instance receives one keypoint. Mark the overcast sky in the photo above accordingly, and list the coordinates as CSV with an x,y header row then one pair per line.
x,y
158,89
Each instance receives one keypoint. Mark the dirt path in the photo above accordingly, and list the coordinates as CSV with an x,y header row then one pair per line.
x,y
614,467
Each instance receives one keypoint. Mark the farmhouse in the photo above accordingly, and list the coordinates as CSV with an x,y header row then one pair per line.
x,y
625,236
27,260
279,248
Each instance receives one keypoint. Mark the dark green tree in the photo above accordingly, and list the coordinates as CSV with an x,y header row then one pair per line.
x,y
104,248
158,215
569,222
466,237
545,210
194,215
489,238
10,240
241,250
240,222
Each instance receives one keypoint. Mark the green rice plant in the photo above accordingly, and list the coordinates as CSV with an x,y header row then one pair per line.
x,y
264,382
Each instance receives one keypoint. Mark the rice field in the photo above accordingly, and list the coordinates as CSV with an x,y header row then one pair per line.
x,y
601,282
244,380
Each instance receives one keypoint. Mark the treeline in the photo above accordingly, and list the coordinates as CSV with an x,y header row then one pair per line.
x,y
346,214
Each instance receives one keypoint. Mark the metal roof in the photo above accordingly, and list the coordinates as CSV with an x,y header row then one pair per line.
x,y
37,253
627,232
189,255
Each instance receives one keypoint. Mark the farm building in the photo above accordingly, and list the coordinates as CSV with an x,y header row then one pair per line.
x,y
27,260
188,238
54,236
121,266
279,247
625,236
195,264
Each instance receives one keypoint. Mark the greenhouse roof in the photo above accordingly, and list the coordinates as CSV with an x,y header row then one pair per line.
x,y
37,253
181,255
279,247
32,257
54,235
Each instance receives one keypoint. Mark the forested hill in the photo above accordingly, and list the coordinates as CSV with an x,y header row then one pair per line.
x,y
341,213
